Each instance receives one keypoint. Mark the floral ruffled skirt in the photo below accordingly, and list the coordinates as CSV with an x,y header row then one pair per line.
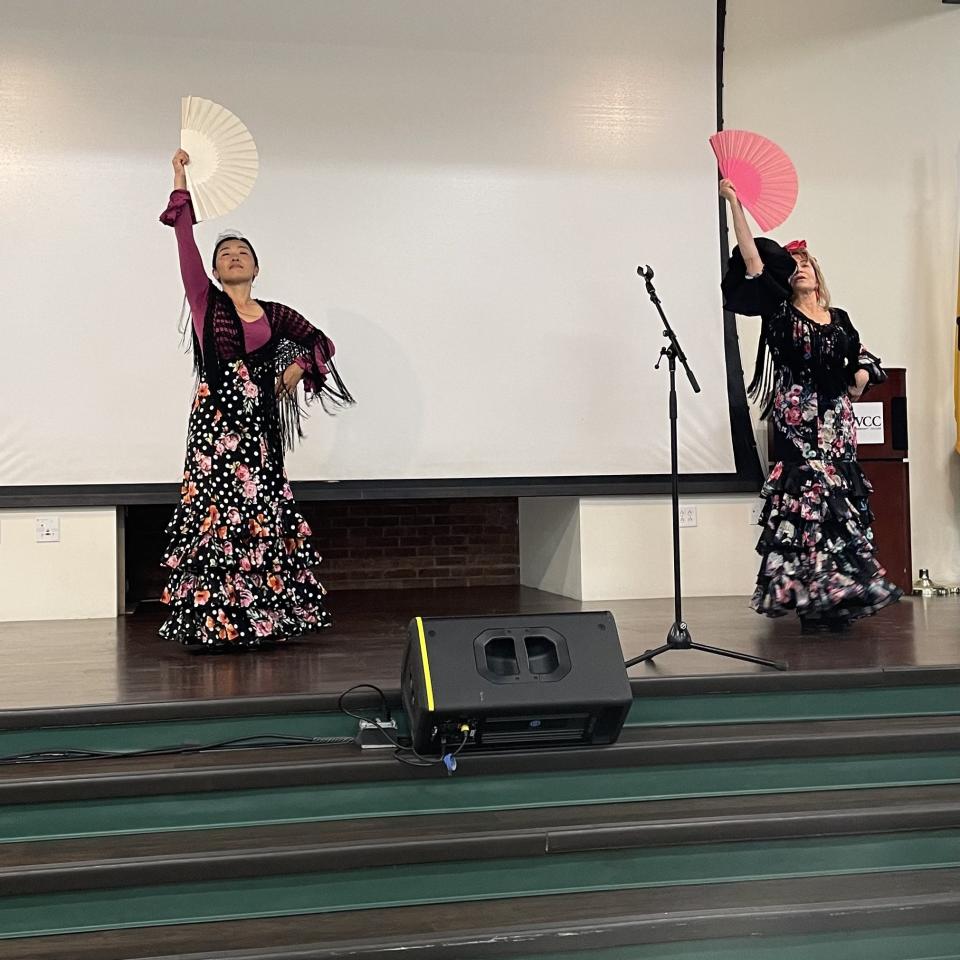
x,y
817,546
238,554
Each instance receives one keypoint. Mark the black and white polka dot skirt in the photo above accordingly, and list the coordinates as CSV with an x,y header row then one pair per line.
x,y
238,553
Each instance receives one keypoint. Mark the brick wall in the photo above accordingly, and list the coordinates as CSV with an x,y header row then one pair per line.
x,y
422,543
373,544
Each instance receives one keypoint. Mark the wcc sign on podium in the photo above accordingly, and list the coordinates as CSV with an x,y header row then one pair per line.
x,y
869,417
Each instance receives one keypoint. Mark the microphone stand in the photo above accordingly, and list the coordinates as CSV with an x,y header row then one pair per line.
x,y
678,637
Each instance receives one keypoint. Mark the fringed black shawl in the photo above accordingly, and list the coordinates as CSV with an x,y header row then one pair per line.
x,y
293,338
760,388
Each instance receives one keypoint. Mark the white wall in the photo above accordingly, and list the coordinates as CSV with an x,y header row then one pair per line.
x,y
627,548
77,578
865,97
550,545
617,548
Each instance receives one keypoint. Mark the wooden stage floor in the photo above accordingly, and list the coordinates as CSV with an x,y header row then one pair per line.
x,y
119,661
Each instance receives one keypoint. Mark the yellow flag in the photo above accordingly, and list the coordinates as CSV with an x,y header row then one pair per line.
x,y
956,369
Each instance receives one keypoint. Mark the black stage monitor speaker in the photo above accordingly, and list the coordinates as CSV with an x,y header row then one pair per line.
x,y
517,681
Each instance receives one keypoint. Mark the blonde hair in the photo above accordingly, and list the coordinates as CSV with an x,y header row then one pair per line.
x,y
823,291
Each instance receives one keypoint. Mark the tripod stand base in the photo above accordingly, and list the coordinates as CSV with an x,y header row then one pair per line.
x,y
679,639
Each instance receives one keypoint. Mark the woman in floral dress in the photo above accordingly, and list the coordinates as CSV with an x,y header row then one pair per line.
x,y
238,554
817,548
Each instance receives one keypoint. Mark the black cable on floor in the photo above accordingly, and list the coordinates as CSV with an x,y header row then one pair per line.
x,y
253,741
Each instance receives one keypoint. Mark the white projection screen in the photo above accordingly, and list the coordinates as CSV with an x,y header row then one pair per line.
x,y
458,193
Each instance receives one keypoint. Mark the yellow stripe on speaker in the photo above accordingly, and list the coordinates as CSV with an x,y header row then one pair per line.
x,y
426,664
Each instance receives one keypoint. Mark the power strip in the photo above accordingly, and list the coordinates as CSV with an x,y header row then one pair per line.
x,y
370,735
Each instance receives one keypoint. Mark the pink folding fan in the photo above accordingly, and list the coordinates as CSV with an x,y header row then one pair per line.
x,y
762,173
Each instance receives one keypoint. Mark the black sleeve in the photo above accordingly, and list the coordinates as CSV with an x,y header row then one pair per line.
x,y
762,294
858,357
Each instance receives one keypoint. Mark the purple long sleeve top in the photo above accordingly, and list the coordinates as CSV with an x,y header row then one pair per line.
x,y
196,284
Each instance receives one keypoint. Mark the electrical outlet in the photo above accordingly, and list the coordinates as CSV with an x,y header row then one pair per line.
x,y
688,515
756,510
47,529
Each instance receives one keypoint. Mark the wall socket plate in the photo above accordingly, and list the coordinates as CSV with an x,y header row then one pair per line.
x,y
688,515
47,529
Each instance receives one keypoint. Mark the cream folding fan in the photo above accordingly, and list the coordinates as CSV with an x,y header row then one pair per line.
x,y
223,157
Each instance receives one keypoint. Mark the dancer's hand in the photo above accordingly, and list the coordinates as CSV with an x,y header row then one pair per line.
x,y
180,159
728,191
287,383
861,378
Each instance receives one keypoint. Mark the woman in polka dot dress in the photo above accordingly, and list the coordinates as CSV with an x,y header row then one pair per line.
x,y
238,554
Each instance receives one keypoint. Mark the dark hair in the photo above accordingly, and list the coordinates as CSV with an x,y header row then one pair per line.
x,y
227,239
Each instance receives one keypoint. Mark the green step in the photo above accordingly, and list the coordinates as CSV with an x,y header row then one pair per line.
x,y
395,886
713,708
786,705
439,795
934,942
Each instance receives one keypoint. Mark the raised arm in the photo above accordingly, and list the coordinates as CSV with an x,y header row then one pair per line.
x,y
179,215
741,228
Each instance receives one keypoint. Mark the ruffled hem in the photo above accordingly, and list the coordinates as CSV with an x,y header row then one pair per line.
x,y
816,545
228,588
242,610
829,597
816,504
233,548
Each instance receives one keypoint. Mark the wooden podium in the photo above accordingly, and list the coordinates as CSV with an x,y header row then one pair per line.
x,y
883,451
